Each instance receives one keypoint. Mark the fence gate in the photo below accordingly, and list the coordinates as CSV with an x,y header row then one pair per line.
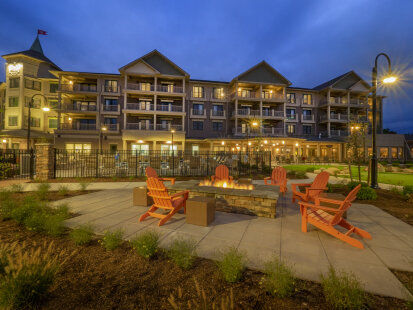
x,y
96,164
17,164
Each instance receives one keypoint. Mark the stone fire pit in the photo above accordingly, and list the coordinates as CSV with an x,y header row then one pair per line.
x,y
261,201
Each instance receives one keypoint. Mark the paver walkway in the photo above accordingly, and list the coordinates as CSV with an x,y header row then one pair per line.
x,y
310,253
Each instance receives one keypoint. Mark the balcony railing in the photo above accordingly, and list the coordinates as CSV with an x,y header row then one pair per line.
x,y
273,131
169,89
198,112
80,107
339,117
307,117
169,108
358,102
110,108
139,107
217,113
168,127
157,127
78,88
77,126
338,133
308,103
140,86
248,94
292,117
272,96
198,95
358,118
112,127
246,112
110,89
272,113
294,103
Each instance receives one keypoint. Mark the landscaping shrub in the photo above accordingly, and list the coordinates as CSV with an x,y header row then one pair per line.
x,y
395,164
182,252
29,275
42,190
4,195
310,169
407,190
16,188
53,224
82,235
353,184
293,174
232,264
83,185
3,261
26,209
395,190
343,290
367,193
6,208
146,244
111,239
278,279
63,190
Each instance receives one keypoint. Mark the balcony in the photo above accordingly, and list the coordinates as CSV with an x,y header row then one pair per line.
x,y
78,88
273,114
78,126
198,95
308,104
169,108
243,94
272,96
292,103
338,133
139,126
334,118
111,90
291,118
79,108
197,113
358,118
152,127
136,106
219,97
216,114
242,131
273,132
307,118
172,89
140,87
334,103
358,103
110,109
168,127
113,128
246,113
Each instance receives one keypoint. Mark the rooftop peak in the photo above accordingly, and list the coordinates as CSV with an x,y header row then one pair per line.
x,y
36,46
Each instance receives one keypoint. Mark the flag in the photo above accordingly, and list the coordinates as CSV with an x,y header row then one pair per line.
x,y
41,32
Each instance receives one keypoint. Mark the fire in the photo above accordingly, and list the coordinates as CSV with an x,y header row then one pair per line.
x,y
225,184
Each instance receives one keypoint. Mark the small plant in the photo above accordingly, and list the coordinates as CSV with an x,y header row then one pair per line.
x,y
232,264
131,178
407,191
114,179
6,208
16,188
146,244
330,188
343,290
82,235
396,191
43,190
111,239
26,209
63,190
182,252
278,279
83,185
367,193
353,184
29,274
310,169
4,195
53,224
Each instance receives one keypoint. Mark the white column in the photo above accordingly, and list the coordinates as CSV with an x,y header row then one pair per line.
x,y
236,113
124,143
183,123
328,113
124,120
154,145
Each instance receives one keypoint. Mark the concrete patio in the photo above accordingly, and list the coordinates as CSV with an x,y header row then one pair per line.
x,y
310,254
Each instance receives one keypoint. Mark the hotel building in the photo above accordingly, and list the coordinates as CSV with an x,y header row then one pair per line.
x,y
152,101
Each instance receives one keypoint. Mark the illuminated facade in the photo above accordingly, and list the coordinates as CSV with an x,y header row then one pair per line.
x,y
151,97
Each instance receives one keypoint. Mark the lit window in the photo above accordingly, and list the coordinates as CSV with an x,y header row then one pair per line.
x,y
291,128
290,97
13,120
198,92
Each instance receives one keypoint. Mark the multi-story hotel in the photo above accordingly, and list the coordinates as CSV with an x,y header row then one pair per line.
x,y
153,104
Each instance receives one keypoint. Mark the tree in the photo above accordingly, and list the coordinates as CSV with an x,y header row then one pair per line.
x,y
388,131
356,146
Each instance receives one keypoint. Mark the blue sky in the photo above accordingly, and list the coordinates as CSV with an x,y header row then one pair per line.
x,y
309,42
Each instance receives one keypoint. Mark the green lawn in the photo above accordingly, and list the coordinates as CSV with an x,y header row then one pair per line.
x,y
384,177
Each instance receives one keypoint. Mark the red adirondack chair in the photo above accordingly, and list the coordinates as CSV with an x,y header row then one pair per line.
x,y
151,173
222,174
162,200
312,190
278,178
326,218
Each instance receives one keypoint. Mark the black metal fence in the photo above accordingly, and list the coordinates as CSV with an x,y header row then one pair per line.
x,y
17,164
95,164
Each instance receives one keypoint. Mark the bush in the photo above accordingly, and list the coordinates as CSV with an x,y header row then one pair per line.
x,y
342,290
146,244
395,164
366,193
83,186
293,174
42,190
353,184
395,190
182,252
16,188
111,240
310,169
53,224
278,279
28,207
4,262
82,235
4,195
232,264
29,275
63,190
407,190
6,208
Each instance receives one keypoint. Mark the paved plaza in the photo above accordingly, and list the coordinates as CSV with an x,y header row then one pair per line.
x,y
310,254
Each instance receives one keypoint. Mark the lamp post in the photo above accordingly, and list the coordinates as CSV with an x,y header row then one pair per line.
x,y
102,129
253,124
387,80
173,153
45,108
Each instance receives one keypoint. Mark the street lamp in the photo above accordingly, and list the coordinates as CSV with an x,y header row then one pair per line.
x,y
387,80
45,108
102,129
173,153
253,124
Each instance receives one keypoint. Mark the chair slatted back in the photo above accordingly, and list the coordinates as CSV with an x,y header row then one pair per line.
x,y
222,172
346,204
151,173
159,193
278,175
320,181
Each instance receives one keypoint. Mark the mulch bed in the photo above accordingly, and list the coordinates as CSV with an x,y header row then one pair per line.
x,y
93,278
52,196
388,201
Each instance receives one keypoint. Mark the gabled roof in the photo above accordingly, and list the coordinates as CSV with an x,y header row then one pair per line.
x,y
262,73
36,52
159,63
344,81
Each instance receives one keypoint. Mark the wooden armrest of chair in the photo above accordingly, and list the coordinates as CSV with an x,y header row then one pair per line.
x,y
172,180
328,200
176,195
313,206
266,180
295,185
317,189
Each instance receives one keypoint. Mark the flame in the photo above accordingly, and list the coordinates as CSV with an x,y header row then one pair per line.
x,y
225,184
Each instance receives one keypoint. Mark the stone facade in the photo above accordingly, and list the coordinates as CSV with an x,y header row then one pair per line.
x,y
44,161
